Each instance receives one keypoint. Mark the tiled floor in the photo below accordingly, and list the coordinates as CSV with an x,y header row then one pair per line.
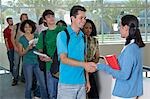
x,y
6,90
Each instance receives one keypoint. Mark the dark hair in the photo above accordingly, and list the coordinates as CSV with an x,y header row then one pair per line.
x,y
61,21
31,23
23,15
134,32
47,12
40,20
8,18
74,10
94,31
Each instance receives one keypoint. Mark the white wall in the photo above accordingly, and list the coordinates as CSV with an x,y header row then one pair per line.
x,y
3,56
116,48
104,50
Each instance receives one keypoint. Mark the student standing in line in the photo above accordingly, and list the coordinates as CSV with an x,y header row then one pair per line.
x,y
10,48
16,33
129,79
30,60
50,44
92,51
72,80
41,26
61,23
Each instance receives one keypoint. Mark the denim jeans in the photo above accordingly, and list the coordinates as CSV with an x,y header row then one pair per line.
x,y
16,65
68,91
10,54
28,70
52,84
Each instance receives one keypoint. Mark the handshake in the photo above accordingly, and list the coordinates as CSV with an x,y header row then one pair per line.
x,y
90,66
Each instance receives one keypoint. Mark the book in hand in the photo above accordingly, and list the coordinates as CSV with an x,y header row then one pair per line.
x,y
33,41
112,61
40,54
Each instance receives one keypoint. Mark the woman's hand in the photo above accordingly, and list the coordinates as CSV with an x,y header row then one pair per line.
x,y
105,60
46,59
87,86
30,46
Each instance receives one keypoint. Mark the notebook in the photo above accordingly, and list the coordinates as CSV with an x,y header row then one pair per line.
x,y
40,54
112,61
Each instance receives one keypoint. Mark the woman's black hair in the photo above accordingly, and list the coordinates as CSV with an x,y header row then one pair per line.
x,y
94,31
41,21
134,32
31,23
61,21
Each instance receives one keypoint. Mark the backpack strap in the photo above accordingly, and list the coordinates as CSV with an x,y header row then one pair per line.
x,y
44,46
68,36
17,27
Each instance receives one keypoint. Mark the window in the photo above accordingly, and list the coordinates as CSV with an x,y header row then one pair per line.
x,y
106,14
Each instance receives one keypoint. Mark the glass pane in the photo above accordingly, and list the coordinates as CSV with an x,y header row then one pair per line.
x,y
148,24
1,34
7,3
25,3
30,11
8,12
111,22
124,3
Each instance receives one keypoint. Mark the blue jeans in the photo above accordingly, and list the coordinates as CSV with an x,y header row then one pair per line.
x,y
16,65
52,84
68,91
10,54
28,70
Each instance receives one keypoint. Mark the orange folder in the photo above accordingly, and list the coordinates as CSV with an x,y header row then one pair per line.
x,y
112,61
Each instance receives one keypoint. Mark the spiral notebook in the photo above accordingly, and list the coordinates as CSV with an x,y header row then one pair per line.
x,y
112,61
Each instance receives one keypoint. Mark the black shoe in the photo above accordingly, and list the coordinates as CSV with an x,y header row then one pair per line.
x,y
14,83
23,80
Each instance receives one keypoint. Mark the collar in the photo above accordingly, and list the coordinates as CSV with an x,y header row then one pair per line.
x,y
72,32
132,41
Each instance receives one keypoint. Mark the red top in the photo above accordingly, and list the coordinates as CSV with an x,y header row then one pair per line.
x,y
7,34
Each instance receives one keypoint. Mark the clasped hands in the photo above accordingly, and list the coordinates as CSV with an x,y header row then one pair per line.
x,y
90,67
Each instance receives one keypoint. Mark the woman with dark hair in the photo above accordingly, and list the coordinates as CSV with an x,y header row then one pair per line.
x,y
90,32
129,79
61,23
30,61
41,26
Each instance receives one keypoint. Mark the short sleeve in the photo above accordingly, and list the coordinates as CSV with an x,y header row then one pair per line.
x,y
97,44
61,43
5,34
21,40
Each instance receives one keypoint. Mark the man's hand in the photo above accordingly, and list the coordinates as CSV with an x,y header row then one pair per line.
x,y
90,67
46,59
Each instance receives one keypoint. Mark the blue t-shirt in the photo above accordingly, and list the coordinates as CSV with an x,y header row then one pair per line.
x,y
74,50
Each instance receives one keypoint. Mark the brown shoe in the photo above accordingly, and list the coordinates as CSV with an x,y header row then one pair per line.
x,y
14,83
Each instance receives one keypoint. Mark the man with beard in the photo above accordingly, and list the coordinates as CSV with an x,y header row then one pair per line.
x,y
10,48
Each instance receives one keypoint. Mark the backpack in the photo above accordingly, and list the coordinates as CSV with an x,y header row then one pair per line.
x,y
42,64
55,64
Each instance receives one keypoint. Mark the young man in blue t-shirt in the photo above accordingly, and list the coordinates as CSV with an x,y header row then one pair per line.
x,y
72,81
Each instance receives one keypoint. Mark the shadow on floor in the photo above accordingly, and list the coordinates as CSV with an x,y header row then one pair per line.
x,y
6,90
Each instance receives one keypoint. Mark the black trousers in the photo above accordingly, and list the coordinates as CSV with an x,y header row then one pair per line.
x,y
93,94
